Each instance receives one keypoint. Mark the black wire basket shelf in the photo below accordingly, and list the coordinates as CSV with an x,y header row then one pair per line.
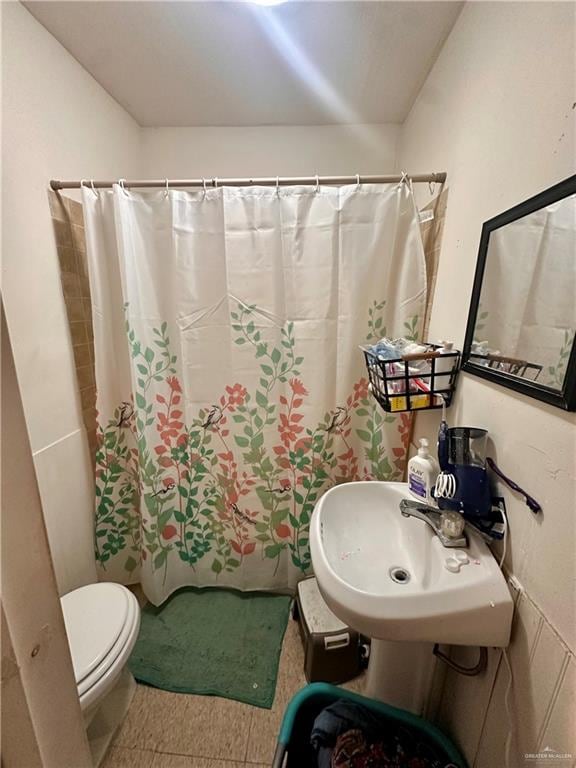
x,y
414,382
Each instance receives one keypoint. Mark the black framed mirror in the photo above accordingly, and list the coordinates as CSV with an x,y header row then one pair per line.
x,y
522,321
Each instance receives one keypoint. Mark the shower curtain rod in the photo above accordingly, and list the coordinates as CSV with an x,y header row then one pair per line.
x,y
282,181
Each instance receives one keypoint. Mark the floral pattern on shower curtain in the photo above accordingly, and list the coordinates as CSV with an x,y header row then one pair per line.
x,y
231,388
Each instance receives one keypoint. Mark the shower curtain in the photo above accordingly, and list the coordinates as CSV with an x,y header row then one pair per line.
x,y
231,388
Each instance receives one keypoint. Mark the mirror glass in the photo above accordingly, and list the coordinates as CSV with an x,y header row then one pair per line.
x,y
522,322
525,319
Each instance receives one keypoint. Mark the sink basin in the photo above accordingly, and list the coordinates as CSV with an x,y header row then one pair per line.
x,y
386,575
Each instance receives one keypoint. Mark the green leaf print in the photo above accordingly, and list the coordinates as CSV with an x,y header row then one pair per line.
x,y
238,479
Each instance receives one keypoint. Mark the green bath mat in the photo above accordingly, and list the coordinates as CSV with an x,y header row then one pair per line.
x,y
213,641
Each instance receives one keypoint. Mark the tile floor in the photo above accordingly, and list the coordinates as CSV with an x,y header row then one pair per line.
x,y
173,730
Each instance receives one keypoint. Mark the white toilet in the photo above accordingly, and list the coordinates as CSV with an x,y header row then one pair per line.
x,y
102,622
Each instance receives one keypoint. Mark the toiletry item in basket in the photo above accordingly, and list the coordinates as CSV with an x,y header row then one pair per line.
x,y
393,349
400,402
419,357
385,349
422,473
445,363
417,387
413,348
443,367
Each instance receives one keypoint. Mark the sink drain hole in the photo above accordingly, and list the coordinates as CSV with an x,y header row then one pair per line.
x,y
399,575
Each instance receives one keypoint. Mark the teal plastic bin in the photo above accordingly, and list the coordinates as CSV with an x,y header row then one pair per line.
x,y
293,749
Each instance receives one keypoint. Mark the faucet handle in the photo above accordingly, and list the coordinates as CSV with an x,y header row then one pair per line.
x,y
452,524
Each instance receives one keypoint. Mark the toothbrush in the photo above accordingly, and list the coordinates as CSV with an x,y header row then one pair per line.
x,y
530,501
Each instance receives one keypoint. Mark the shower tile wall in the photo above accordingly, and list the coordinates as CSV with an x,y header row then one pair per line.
x,y
431,231
542,698
68,222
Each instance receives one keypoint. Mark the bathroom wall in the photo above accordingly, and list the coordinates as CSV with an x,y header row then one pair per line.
x,y
269,151
57,122
497,113
41,719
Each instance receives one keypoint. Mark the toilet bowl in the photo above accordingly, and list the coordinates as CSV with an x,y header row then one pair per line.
x,y
102,622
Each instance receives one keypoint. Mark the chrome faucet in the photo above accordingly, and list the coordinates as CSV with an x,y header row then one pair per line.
x,y
433,517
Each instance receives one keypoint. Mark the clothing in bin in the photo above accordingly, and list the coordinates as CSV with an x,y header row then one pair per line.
x,y
349,735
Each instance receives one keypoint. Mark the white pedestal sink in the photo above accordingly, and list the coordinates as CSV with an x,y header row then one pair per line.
x,y
386,576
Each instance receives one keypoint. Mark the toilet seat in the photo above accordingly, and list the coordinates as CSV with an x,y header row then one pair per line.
x,y
102,622
91,679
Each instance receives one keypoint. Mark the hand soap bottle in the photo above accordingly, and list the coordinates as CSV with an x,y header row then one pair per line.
x,y
422,473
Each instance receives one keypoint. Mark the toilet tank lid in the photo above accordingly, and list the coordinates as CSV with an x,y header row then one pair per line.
x,y
94,616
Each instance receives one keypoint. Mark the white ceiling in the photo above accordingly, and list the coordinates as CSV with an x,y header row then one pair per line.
x,y
235,63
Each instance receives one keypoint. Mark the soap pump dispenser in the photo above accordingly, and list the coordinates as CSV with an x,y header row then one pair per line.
x,y
422,473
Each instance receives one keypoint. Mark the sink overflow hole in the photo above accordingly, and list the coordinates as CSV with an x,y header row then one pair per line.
x,y
399,575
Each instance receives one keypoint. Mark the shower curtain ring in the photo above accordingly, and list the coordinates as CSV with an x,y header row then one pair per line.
x,y
204,187
215,182
93,188
277,186
357,181
317,184
122,187
432,185
167,190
